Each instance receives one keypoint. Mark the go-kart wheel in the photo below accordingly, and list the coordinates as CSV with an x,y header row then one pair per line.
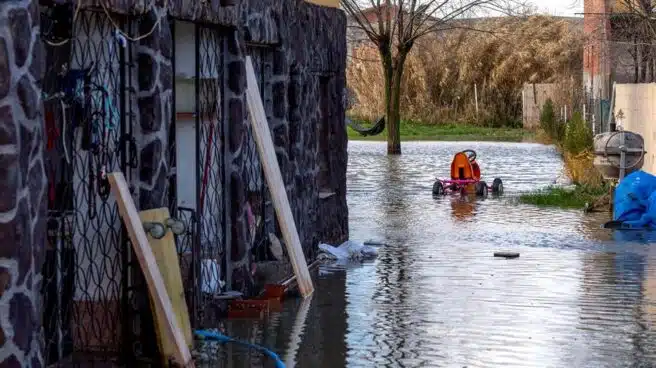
x,y
438,188
497,186
481,189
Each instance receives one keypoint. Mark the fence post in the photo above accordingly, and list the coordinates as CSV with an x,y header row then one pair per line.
x,y
476,98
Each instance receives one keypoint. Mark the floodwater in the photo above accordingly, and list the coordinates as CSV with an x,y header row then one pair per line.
x,y
436,296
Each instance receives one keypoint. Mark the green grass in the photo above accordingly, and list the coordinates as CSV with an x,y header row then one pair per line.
x,y
568,198
417,131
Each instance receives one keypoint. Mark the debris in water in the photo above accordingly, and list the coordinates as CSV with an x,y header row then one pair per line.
x,y
374,243
506,254
349,250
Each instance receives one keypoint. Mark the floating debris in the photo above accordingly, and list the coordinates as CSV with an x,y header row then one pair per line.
x,y
349,250
506,254
375,243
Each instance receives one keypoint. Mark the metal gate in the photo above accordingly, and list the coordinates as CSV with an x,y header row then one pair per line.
x,y
88,119
210,158
204,247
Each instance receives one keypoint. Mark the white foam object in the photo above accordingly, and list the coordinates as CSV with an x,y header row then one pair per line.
x,y
349,250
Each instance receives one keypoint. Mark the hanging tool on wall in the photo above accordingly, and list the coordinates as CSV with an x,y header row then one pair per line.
x,y
103,127
110,121
97,132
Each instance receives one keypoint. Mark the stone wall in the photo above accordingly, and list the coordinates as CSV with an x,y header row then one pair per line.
x,y
303,100
23,184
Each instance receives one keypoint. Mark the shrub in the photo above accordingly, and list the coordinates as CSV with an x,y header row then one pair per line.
x,y
548,120
578,137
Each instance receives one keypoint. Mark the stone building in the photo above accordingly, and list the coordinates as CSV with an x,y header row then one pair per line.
x,y
155,90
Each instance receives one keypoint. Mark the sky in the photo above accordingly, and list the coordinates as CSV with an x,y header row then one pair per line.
x,y
560,7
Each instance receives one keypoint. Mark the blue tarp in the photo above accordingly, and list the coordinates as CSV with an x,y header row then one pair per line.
x,y
635,200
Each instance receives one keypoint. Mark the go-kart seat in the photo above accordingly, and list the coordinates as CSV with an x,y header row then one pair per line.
x,y
464,169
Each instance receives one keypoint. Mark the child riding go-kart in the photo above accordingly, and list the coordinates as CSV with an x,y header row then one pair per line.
x,y
466,178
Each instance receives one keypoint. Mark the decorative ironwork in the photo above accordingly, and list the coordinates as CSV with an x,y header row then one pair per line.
x,y
210,242
88,131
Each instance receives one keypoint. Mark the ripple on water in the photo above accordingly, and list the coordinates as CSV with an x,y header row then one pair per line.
x,y
436,296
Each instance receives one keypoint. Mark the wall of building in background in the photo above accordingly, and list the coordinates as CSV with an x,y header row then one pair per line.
x,y
636,103
534,96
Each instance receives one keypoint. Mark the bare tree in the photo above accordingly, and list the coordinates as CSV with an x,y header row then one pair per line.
x,y
393,26
634,26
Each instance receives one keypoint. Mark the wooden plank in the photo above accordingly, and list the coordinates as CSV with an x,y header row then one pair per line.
x,y
156,287
166,256
273,177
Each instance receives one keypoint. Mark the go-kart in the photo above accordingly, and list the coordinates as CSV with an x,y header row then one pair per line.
x,y
466,178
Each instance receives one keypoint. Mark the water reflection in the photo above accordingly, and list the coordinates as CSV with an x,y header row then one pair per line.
x,y
463,208
437,297
393,199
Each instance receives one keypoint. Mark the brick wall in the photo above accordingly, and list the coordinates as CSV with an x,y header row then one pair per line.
x,y
596,55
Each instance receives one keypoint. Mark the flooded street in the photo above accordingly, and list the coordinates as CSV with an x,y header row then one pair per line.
x,y
436,296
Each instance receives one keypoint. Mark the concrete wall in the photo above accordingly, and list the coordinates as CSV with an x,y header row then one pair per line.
x,y
636,102
534,97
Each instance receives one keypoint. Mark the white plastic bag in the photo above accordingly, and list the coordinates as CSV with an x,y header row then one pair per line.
x,y
349,250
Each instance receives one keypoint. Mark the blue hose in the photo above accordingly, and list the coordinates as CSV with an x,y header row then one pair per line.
x,y
215,336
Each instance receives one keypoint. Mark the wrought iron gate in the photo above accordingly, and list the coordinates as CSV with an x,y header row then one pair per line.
x,y
88,117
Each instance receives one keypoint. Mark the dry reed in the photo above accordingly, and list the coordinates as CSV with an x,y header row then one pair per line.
x,y
580,169
442,70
